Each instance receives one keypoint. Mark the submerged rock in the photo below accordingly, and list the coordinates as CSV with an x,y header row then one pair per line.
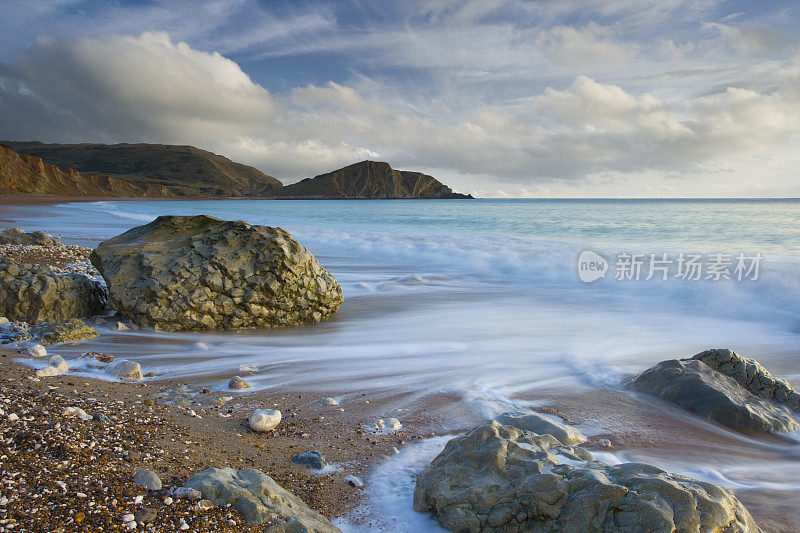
x,y
73,330
263,420
700,389
202,273
59,362
48,372
36,350
313,459
542,425
34,293
501,478
260,499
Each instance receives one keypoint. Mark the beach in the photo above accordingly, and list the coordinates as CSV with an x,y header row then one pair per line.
x,y
449,317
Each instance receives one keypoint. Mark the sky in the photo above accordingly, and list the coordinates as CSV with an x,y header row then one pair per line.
x,y
498,98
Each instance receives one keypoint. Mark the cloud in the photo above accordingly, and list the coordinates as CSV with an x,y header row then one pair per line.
x,y
756,39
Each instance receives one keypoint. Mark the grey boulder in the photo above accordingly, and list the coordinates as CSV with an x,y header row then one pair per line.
x,y
147,479
34,293
260,500
500,478
203,273
16,236
313,459
542,425
698,388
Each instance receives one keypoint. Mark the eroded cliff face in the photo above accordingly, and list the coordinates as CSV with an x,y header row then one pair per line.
x,y
368,179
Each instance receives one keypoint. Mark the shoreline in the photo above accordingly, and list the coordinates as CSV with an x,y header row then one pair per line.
x,y
219,437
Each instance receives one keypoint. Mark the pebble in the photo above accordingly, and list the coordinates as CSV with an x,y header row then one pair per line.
x,y
205,505
224,399
137,500
145,515
75,412
237,383
127,518
100,418
147,479
168,501
353,481
313,459
37,350
47,372
393,423
328,401
187,493
13,417
605,443
263,420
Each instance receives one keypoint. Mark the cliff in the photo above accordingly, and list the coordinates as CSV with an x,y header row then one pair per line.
x,y
147,170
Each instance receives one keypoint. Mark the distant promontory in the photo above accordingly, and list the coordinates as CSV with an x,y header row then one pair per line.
x,y
167,171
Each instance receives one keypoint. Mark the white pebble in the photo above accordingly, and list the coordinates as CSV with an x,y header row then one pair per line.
x,y
265,419
137,500
13,417
3,501
168,501
127,518
184,526
393,423
80,495
48,372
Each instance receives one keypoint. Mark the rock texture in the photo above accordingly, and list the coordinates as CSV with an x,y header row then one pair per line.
x,y
542,425
73,330
368,179
202,273
500,478
34,293
260,500
151,170
36,238
263,420
709,392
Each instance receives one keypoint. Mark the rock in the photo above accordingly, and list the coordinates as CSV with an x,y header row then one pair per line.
x,y
125,368
222,400
237,383
36,238
47,372
75,412
604,443
73,330
205,505
202,273
59,362
327,401
122,326
37,350
696,387
100,418
3,320
259,499
34,293
353,481
265,420
313,459
147,480
187,493
145,515
393,423
542,425
503,479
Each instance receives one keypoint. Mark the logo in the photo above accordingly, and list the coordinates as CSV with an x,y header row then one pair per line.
x,y
591,266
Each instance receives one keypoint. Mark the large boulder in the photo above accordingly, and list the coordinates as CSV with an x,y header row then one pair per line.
x,y
36,238
712,394
260,500
34,293
203,273
501,478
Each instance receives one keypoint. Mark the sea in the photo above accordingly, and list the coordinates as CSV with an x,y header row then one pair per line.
x,y
496,304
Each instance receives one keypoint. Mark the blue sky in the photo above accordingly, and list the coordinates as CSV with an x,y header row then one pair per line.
x,y
496,98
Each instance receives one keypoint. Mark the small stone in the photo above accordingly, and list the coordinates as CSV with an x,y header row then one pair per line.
x,y
184,526
187,493
205,505
122,326
137,500
75,412
168,501
146,515
605,443
237,383
37,350
127,518
13,417
353,481
59,362
79,517
3,501
224,399
328,401
263,420
100,418
313,459
147,480
48,372
393,423
148,402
